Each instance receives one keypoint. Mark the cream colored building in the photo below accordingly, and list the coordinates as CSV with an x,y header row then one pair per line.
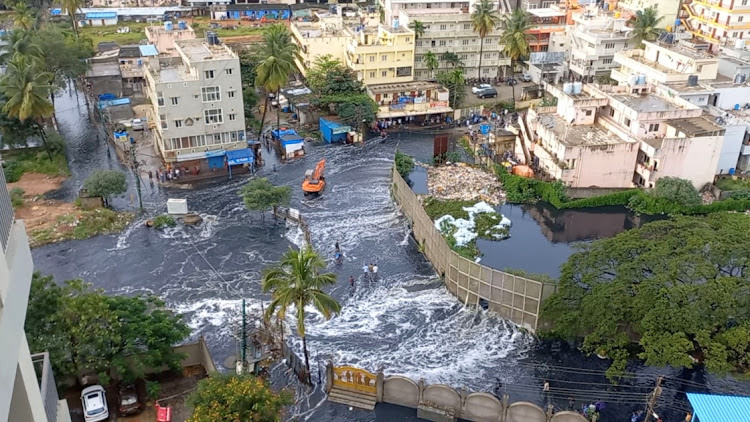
x,y
197,103
381,55
28,391
664,63
325,36
718,21
450,30
666,8
595,39
164,38
417,99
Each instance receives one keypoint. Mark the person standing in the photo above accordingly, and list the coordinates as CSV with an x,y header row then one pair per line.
x,y
351,280
375,271
150,175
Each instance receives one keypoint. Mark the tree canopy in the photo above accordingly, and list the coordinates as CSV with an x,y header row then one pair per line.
x,y
676,190
106,183
259,195
646,25
454,81
484,19
228,397
86,330
672,292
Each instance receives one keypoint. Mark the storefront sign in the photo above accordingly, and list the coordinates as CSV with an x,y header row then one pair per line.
x,y
439,104
215,153
420,100
191,156
397,106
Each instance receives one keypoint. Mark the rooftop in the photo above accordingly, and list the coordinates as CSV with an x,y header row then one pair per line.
x,y
546,12
135,11
170,74
198,50
103,69
685,49
645,103
695,127
403,86
427,12
319,30
577,135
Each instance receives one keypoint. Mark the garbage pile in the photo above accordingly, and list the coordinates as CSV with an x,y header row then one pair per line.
x,y
462,182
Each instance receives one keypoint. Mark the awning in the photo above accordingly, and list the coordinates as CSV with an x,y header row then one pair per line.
x,y
240,156
718,408
404,113
101,15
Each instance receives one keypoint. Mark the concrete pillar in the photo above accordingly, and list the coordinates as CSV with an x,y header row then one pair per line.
x,y
379,386
550,411
421,389
329,376
462,393
505,403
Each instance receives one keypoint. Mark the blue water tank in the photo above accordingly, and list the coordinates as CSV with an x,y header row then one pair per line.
x,y
731,171
168,26
641,79
677,22
182,25
736,106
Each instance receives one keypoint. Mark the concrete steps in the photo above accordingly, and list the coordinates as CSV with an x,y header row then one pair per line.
x,y
352,398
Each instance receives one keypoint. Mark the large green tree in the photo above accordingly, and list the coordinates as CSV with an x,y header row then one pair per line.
x,y
431,61
677,190
84,329
296,281
454,81
645,27
259,195
71,7
317,74
515,38
672,292
277,51
229,397
106,183
418,28
484,20
24,16
64,56
452,59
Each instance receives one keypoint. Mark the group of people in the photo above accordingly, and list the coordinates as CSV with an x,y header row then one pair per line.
x,y
173,173
371,271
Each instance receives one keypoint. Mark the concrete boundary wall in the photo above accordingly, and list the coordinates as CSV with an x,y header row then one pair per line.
x,y
515,298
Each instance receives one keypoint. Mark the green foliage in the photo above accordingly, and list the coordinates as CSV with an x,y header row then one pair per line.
x,y
431,61
484,224
728,183
679,191
106,183
605,80
82,224
741,194
328,76
617,198
548,102
674,290
16,163
520,189
418,28
164,220
646,25
484,19
404,164
436,208
229,397
152,389
544,278
248,61
454,81
509,105
260,195
64,55
277,52
87,330
351,108
452,59
16,197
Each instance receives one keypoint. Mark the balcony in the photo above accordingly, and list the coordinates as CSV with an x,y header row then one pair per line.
x,y
634,61
6,213
644,170
55,409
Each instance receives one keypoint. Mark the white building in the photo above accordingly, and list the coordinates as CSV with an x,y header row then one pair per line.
x,y
594,41
25,395
197,104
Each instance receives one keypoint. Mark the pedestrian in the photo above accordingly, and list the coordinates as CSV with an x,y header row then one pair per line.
x,y
545,387
177,173
338,249
366,269
150,175
351,280
375,270
571,403
688,417
169,176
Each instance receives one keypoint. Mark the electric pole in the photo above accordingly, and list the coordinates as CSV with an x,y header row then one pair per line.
x,y
652,400
135,172
244,335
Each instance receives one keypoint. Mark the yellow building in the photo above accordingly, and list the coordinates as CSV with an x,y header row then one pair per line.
x,y
325,36
381,55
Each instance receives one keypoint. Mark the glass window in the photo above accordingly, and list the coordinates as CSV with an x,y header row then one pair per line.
x,y
178,123
175,100
384,58
232,117
384,73
163,119
211,93
160,99
209,74
229,71
372,74
230,94
213,116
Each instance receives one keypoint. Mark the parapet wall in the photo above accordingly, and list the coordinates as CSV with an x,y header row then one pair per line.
x,y
515,298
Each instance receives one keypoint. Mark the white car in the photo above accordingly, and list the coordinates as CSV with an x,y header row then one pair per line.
x,y
481,87
94,401
526,77
138,124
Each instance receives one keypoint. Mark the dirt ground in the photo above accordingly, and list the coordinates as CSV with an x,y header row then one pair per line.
x,y
39,213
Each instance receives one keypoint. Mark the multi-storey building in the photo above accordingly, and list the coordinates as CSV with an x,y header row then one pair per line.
x,y
28,390
547,21
164,36
450,31
197,103
325,36
418,99
381,55
718,21
668,9
594,40
623,136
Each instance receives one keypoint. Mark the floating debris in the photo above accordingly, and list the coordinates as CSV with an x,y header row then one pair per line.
x,y
494,226
463,182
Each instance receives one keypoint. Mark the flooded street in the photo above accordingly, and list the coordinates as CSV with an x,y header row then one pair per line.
x,y
407,323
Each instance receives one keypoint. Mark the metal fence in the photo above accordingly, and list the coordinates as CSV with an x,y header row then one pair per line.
x,y
47,385
6,212
515,298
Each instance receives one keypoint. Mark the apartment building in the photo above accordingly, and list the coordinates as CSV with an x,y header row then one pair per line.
x,y
418,99
718,21
28,392
450,31
197,103
164,36
383,54
326,35
669,9
595,38
547,21
618,136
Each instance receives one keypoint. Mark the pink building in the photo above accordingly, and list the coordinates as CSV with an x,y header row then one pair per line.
x,y
163,37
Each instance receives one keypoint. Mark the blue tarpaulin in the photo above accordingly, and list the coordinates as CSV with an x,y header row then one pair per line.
x,y
719,408
56,12
148,50
485,129
333,131
115,102
240,156
101,15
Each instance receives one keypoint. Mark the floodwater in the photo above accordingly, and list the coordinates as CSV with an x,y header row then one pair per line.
x,y
407,323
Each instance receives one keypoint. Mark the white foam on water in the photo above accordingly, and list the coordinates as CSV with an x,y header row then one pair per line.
x,y
122,238
295,234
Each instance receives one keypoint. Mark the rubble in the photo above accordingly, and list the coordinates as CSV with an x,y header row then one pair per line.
x,y
462,182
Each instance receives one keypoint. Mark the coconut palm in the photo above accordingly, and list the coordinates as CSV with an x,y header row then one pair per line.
x,y
71,7
456,79
431,61
278,51
515,36
452,59
24,17
645,26
418,28
296,281
21,42
483,21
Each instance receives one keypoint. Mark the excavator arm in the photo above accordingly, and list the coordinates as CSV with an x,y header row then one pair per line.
x,y
318,173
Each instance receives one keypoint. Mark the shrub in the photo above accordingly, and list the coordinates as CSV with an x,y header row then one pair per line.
x,y
617,198
164,220
13,171
404,164
16,197
679,191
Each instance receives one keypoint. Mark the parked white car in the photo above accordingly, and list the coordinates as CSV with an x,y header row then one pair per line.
x,y
526,77
94,401
138,124
481,87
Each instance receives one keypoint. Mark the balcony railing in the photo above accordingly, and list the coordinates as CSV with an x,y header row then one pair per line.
x,y
47,386
6,213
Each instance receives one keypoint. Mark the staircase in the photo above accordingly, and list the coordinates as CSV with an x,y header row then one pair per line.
x,y
362,400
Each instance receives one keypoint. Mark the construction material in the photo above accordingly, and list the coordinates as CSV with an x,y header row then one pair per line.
x,y
462,182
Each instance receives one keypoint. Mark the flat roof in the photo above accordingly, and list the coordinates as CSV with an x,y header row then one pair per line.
x,y
719,408
103,69
243,7
403,86
695,127
135,11
198,50
645,103
578,135
169,74
445,11
546,12
684,50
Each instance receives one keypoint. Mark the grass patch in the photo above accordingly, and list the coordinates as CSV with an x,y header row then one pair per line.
x,y
727,183
109,33
436,208
16,197
164,220
544,278
82,224
404,164
200,28
18,162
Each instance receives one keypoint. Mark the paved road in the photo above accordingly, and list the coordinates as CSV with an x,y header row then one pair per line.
x,y
504,92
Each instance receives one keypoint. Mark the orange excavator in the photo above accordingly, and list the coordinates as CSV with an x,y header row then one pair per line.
x,y
315,182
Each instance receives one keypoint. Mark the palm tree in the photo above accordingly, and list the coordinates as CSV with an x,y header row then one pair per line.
x,y
645,27
296,280
452,59
71,7
516,37
21,42
279,51
483,21
418,28
27,90
24,17
431,61
456,79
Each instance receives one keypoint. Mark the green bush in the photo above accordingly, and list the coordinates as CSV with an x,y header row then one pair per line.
x,y
436,208
13,171
520,189
404,164
741,194
16,163
164,220
16,197
676,190
617,198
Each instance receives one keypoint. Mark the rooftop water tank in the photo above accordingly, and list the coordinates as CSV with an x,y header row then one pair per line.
x,y
632,79
642,79
568,88
182,25
395,23
577,87
739,44
168,26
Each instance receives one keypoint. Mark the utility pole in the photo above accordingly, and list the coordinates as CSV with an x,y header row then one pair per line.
x,y
244,335
135,172
652,400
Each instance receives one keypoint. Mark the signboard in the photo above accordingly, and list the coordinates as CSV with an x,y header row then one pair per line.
x,y
340,129
439,104
547,57
420,100
403,71
397,106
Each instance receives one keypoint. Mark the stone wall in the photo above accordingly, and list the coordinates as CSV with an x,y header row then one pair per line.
x,y
581,193
515,298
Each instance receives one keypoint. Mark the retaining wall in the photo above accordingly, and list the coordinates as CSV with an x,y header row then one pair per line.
x,y
515,298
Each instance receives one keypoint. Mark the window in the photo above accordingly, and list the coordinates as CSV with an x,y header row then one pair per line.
x,y
209,74
211,93
463,56
465,42
372,74
443,27
175,100
653,127
228,71
232,117
467,26
611,112
213,116
160,99
740,18
407,39
163,120
487,55
230,94
178,123
607,61
442,43
626,121
744,2
384,73
609,46
419,43
588,112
